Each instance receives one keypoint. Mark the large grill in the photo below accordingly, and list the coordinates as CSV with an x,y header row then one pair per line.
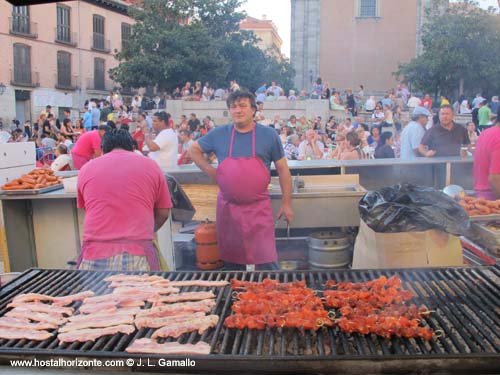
x,y
465,300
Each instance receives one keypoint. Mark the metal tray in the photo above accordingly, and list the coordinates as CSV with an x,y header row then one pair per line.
x,y
33,191
486,237
493,217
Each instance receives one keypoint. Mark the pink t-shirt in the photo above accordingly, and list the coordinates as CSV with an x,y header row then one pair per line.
x,y
87,144
486,158
119,192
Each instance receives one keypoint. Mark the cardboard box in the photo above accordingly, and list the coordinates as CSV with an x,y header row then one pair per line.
x,y
431,248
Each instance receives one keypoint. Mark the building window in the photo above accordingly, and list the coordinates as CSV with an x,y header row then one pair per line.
x,y
98,28
22,64
63,69
20,21
63,33
368,8
126,31
99,74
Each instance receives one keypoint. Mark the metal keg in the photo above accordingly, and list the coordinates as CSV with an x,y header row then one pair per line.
x,y
329,249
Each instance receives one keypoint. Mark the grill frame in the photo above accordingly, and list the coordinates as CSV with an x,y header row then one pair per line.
x,y
467,347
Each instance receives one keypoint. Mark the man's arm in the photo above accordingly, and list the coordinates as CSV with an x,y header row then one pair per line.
x,y
196,154
424,150
161,215
494,180
148,139
285,179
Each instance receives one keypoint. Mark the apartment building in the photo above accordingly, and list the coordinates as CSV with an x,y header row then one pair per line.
x,y
58,54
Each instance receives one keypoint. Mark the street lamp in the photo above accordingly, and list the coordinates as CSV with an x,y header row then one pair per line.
x,y
2,88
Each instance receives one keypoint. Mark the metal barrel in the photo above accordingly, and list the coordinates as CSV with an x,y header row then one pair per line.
x,y
329,249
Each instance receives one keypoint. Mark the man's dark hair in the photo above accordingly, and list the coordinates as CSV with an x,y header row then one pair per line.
x,y
241,94
185,132
48,106
117,138
484,102
62,148
50,115
447,106
111,124
163,116
125,127
106,128
65,121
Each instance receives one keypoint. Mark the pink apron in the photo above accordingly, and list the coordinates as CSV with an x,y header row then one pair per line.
x,y
245,224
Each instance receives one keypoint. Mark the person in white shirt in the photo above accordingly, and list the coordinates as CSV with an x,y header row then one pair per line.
x,y
370,104
413,132
311,147
62,159
163,149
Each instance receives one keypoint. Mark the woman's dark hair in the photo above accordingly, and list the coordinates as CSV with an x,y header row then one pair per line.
x,y
353,139
163,116
117,138
241,94
364,126
319,81
374,127
65,121
384,137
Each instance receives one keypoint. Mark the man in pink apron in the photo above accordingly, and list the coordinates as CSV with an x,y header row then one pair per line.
x,y
245,151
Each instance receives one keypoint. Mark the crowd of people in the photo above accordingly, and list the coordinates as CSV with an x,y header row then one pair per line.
x,y
370,128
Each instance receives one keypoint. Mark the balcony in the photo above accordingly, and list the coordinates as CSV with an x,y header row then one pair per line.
x,y
66,83
99,43
20,25
24,78
65,36
100,86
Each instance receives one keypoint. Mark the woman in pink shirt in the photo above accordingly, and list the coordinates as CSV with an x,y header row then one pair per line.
x,y
88,146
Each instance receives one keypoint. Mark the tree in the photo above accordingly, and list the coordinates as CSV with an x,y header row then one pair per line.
x,y
165,50
461,47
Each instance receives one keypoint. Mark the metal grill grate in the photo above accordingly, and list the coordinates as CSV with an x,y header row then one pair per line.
x,y
466,301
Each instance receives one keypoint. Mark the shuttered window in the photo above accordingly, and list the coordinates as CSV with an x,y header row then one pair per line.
x,y
63,23
63,69
99,74
21,19
22,63
98,28
126,31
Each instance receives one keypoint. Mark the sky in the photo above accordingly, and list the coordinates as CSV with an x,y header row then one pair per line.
x,y
279,12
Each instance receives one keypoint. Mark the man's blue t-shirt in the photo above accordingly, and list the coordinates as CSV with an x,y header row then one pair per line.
x,y
267,144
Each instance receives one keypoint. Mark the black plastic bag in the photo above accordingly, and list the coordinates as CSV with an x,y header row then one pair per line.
x,y
411,208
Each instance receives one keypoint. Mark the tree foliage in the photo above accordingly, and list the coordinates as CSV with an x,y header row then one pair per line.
x,y
461,45
165,50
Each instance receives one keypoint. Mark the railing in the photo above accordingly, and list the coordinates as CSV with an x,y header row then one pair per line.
x,y
65,36
99,43
21,25
93,85
66,83
24,77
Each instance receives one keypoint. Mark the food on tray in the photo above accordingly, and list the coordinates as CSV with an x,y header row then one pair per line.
x,y
36,179
204,305
200,324
23,323
480,206
98,322
187,296
149,346
92,334
377,306
148,322
493,226
24,333
145,280
57,301
273,304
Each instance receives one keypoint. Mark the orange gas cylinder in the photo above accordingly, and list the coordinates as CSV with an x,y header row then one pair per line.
x,y
207,253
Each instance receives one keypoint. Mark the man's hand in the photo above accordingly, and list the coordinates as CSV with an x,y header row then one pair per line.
x,y
430,153
285,212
